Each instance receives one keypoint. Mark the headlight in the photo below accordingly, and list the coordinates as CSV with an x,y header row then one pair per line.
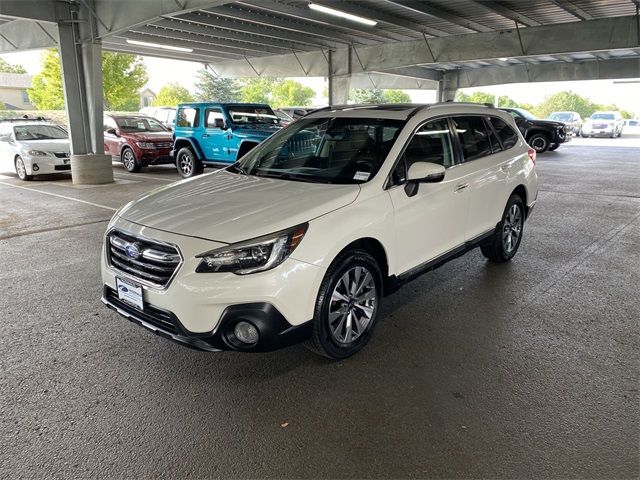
x,y
37,153
255,255
146,145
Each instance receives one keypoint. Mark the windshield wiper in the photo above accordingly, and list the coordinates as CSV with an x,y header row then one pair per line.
x,y
292,177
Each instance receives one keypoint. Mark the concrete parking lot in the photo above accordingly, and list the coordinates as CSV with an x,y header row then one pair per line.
x,y
529,369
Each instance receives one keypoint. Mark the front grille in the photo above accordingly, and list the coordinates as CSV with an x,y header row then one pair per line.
x,y
164,145
600,126
62,167
61,154
161,319
151,263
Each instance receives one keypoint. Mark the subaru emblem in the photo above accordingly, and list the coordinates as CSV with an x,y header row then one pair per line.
x,y
132,250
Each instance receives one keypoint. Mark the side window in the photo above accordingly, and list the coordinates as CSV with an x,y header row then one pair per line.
x,y
211,115
109,122
187,117
473,136
508,136
430,143
493,139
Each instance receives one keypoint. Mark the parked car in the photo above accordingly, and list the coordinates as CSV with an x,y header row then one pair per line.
x,y
572,120
542,135
603,124
284,118
632,122
165,115
219,133
293,243
296,112
137,141
33,147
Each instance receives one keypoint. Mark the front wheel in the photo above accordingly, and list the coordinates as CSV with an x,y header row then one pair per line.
x,y
129,161
539,142
347,306
505,241
21,170
187,163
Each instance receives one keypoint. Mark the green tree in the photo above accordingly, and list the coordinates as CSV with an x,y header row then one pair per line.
x,y
367,95
566,101
210,87
397,96
6,67
290,92
257,90
123,75
171,95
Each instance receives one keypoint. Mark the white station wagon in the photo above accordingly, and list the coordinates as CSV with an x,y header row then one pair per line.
x,y
302,238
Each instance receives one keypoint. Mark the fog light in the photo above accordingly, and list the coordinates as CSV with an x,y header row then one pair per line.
x,y
246,333
35,167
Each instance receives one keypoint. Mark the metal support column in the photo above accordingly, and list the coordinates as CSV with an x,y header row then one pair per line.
x,y
339,77
81,60
447,87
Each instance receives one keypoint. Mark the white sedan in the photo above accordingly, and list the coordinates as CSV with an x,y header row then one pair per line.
x,y
32,148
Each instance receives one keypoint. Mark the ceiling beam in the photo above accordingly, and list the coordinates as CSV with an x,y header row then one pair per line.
x,y
507,12
308,15
185,26
385,18
21,35
426,9
29,10
255,22
573,9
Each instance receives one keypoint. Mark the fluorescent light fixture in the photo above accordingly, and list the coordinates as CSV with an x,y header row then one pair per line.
x,y
338,13
159,45
503,59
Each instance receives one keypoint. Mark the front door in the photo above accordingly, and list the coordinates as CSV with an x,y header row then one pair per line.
x,y
112,141
216,138
432,221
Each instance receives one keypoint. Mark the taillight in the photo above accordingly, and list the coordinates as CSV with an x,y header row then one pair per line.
x,y
532,155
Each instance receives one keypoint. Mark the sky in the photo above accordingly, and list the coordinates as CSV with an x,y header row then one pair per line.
x,y
162,71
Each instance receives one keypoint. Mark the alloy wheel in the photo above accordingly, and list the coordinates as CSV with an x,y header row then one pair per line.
x,y
186,164
128,159
512,229
353,303
21,170
539,144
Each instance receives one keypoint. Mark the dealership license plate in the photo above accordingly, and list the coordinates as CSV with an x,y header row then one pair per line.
x,y
66,161
130,293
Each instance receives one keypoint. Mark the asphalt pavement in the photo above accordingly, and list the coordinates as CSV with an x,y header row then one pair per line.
x,y
524,370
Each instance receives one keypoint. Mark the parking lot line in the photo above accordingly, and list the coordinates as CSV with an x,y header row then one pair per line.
x,y
60,196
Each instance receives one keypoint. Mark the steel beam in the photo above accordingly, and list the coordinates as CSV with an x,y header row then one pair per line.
x,y
426,9
42,11
573,9
21,35
506,12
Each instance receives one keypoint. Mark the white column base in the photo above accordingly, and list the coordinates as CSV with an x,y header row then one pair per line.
x,y
91,169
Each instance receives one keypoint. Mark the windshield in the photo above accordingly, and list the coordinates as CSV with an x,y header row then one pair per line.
x,y
39,132
252,114
324,150
139,125
602,116
561,117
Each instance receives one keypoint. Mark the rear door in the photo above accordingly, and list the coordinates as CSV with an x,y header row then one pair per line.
x,y
215,139
111,142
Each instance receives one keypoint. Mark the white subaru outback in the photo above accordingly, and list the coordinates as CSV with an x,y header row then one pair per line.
x,y
302,238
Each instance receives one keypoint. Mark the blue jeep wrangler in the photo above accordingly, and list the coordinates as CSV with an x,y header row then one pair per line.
x,y
215,134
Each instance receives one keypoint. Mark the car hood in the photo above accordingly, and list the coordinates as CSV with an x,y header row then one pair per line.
x,y
228,207
150,136
548,123
59,145
257,130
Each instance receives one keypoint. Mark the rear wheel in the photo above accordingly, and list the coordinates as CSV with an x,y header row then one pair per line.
x,y
21,170
129,161
506,240
187,163
347,306
539,142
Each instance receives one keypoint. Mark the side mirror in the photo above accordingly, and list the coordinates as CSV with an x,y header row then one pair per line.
x,y
5,138
170,129
425,172
112,131
219,123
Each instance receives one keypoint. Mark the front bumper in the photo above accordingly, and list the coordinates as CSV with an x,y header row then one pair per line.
x,y
45,166
196,306
155,157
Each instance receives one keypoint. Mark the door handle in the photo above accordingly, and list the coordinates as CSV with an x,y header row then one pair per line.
x,y
206,135
461,187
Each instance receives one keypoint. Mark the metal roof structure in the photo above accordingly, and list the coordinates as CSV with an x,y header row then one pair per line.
x,y
412,44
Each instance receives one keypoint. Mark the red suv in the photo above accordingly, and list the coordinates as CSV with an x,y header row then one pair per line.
x,y
137,141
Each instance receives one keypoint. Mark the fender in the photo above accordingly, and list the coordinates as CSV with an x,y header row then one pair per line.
x,y
244,142
194,146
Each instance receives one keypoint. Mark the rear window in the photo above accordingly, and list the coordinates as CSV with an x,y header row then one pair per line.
x,y
602,116
187,117
507,135
473,136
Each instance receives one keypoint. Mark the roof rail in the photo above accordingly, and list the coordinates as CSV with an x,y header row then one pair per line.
x,y
449,102
25,118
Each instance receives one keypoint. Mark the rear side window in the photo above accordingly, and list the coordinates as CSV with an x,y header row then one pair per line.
x,y
474,138
493,139
187,117
507,135
213,114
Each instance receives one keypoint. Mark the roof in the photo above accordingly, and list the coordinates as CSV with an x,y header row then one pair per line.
x,y
15,80
400,111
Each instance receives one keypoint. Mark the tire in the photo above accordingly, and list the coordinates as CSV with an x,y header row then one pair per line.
x,y
582,134
342,324
129,160
553,147
187,163
505,242
21,169
539,142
